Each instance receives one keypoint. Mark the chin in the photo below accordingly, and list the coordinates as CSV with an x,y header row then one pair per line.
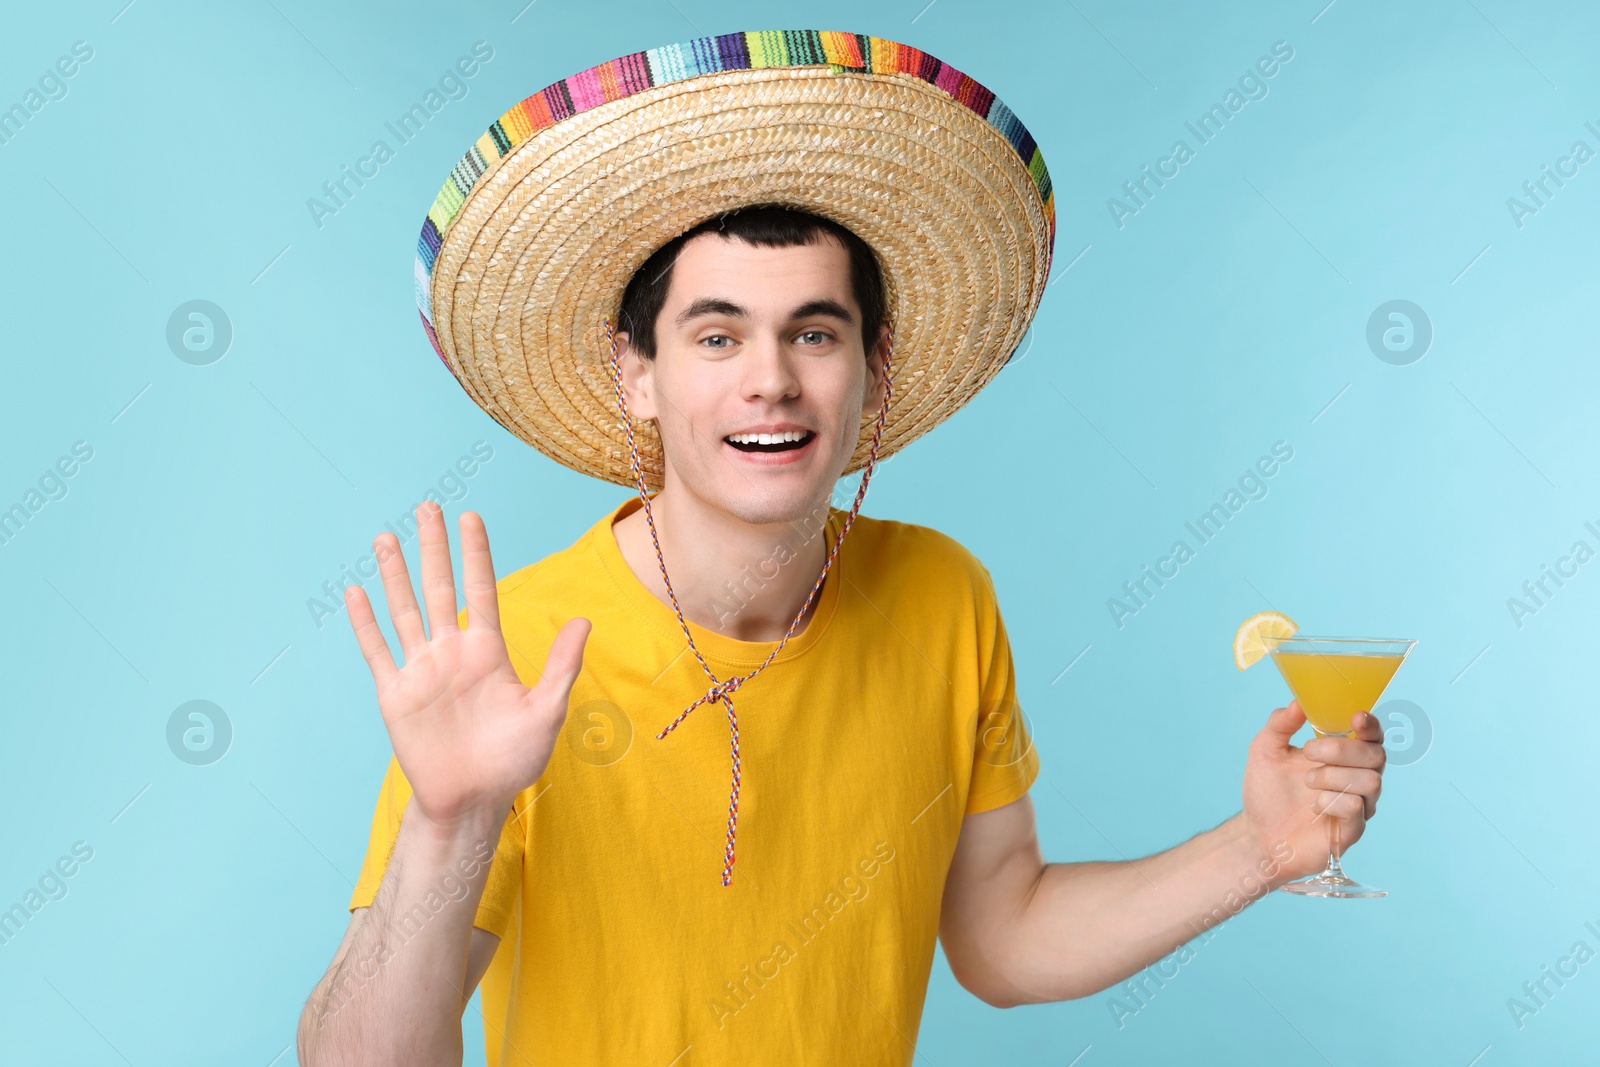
x,y
760,507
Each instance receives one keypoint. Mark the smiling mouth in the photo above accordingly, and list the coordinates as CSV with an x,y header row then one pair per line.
x,y
751,442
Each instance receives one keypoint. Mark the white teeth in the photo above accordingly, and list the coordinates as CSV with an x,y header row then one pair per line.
x,y
767,438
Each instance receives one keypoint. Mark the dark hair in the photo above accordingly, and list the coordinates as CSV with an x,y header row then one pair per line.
x,y
766,226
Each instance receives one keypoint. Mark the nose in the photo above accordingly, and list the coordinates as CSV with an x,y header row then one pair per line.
x,y
769,371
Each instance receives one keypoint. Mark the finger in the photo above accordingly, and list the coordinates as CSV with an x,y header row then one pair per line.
x,y
1367,727
438,577
1346,752
374,648
403,611
1359,780
565,659
1281,726
477,573
1340,805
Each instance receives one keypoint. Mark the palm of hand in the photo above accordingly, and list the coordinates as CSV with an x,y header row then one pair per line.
x,y
463,725
468,735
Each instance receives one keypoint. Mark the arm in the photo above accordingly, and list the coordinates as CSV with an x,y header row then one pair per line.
x,y
1018,930
468,736
398,952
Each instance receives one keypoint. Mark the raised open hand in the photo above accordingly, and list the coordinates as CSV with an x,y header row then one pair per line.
x,y
467,733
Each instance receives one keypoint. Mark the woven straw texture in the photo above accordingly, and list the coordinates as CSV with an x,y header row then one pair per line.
x,y
533,239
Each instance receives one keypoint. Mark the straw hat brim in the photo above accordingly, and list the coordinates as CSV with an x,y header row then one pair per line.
x,y
519,271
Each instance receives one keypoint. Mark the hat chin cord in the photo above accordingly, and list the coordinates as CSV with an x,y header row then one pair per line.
x,y
723,689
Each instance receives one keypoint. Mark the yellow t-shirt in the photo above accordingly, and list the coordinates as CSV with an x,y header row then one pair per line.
x,y
887,719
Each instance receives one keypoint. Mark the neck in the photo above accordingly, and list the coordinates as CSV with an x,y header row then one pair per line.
x,y
743,580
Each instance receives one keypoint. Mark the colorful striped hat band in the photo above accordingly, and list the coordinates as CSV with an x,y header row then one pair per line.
x,y
723,690
532,240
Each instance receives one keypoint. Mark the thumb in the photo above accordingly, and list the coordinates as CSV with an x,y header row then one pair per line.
x,y
1281,726
565,659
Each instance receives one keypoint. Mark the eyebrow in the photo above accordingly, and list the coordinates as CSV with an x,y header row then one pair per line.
x,y
716,305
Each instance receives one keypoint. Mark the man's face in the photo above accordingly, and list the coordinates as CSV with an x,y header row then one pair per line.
x,y
757,341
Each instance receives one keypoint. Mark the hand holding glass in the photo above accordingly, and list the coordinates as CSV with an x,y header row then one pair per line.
x,y
1333,678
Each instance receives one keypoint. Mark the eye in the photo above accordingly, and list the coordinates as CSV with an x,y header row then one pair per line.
x,y
818,333
717,337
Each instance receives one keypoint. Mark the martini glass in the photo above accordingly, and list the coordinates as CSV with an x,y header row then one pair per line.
x,y
1333,678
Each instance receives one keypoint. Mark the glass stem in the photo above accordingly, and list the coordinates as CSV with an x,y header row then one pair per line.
x,y
1334,870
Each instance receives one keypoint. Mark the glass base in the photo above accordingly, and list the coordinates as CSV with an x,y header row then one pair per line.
x,y
1331,884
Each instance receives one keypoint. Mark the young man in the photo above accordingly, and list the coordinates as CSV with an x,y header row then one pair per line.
x,y
559,801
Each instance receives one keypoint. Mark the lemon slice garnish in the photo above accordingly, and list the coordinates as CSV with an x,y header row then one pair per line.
x,y
1248,646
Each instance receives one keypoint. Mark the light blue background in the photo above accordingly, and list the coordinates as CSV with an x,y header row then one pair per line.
x,y
1223,317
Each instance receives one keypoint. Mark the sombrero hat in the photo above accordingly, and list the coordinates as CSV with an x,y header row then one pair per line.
x,y
531,242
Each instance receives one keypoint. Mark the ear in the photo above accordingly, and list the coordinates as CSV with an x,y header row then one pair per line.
x,y
638,379
876,380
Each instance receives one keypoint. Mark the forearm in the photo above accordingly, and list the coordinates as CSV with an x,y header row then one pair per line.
x,y
1083,927
394,994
